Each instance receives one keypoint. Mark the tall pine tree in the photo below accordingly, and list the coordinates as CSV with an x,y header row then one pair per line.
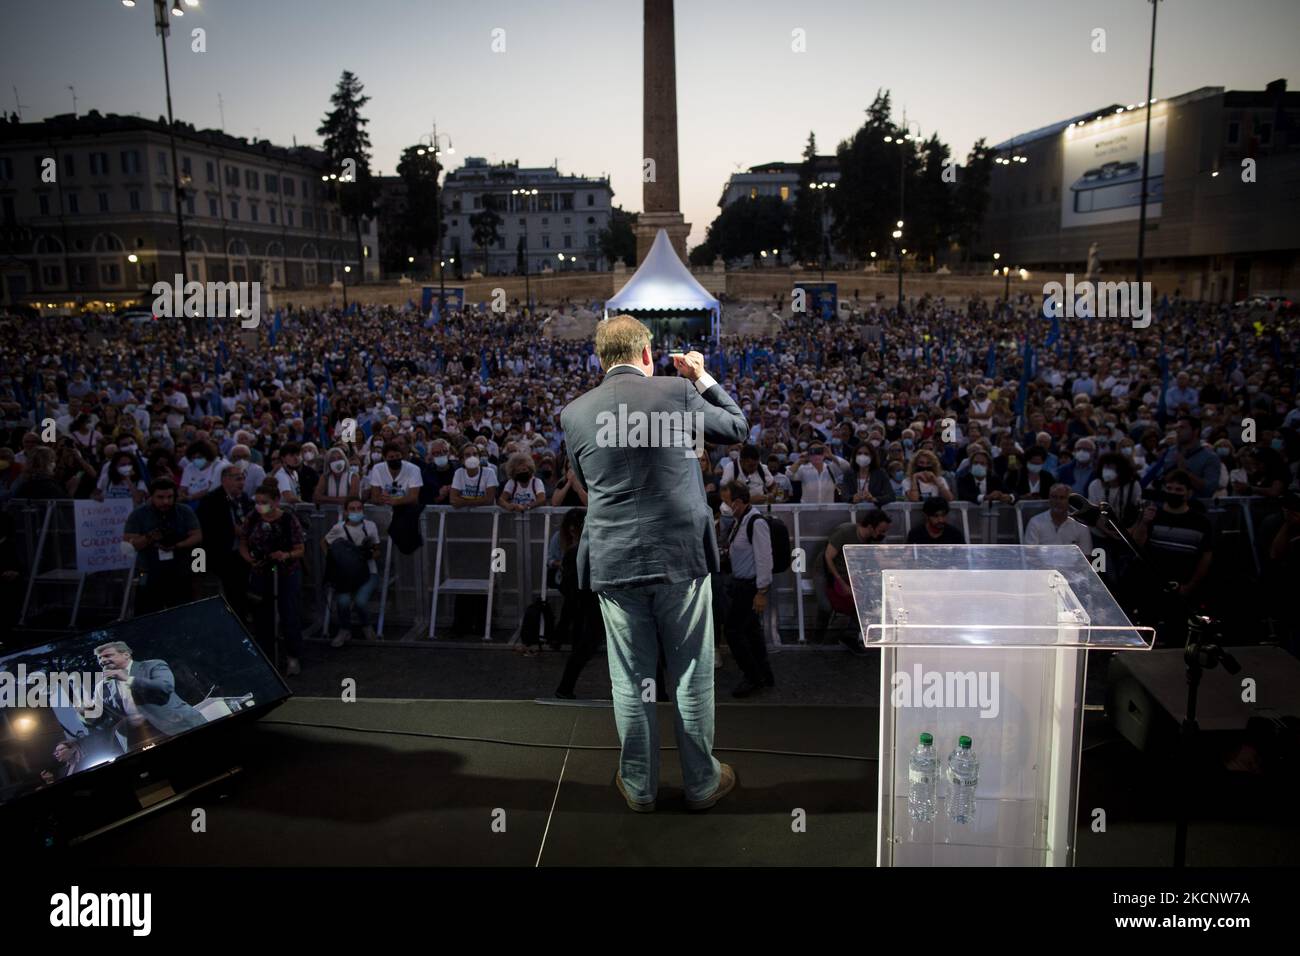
x,y
347,144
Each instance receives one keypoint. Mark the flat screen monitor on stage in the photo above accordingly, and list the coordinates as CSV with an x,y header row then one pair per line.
x,y
84,702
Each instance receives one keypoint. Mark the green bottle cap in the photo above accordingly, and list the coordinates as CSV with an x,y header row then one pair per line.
x,y
963,742
926,740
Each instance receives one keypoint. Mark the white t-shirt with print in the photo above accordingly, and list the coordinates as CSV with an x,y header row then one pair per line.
x,y
408,477
523,494
472,486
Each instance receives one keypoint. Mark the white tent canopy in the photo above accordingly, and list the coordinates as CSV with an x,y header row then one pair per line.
x,y
663,284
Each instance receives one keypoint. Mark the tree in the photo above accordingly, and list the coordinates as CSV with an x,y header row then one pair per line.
x,y
618,241
931,217
703,254
806,222
972,199
418,226
347,144
486,225
747,227
865,200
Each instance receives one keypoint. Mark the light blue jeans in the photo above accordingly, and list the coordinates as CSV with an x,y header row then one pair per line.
x,y
357,601
638,621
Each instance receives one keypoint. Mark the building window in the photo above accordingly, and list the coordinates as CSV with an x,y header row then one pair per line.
x,y
189,204
1234,133
211,168
591,199
110,273
250,178
185,166
546,220
288,217
272,183
165,200
785,193
44,201
234,209
51,275
69,165
252,212
232,176
1265,133
546,242
103,202
162,163
6,169
7,205
591,240
99,163
568,242
270,211
74,207
307,219
753,192
288,186
566,200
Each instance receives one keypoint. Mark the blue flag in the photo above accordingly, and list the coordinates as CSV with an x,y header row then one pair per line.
x,y
991,362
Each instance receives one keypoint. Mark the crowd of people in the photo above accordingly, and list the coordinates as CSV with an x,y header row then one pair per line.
x,y
212,431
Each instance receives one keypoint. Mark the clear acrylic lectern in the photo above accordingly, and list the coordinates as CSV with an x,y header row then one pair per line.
x,y
989,642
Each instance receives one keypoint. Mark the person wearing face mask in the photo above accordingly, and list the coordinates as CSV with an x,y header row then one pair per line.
x,y
926,479
221,515
523,490
980,483
1177,542
339,482
202,471
309,471
271,544
475,482
254,474
438,471
748,549
1079,472
746,467
351,547
871,481
121,478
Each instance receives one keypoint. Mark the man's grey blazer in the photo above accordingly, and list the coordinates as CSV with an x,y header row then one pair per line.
x,y
154,692
648,521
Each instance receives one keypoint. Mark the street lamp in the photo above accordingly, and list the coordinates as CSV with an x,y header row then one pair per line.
x,y
903,142
346,270
1179,850
528,290
162,26
821,186
437,212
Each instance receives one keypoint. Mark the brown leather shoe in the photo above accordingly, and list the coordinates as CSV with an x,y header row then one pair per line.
x,y
726,783
635,805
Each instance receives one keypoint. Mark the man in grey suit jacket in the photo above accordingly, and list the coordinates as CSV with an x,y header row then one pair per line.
x,y
139,698
648,546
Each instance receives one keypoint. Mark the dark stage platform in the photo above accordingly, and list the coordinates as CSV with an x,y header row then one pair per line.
x,y
421,783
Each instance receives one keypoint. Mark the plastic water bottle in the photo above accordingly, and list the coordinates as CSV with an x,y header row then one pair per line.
x,y
963,777
923,780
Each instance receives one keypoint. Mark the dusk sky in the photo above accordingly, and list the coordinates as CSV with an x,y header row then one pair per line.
x,y
568,86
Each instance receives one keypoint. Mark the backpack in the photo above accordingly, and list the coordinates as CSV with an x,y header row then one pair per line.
x,y
780,534
347,566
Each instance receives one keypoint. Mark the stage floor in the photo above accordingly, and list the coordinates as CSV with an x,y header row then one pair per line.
x,y
422,783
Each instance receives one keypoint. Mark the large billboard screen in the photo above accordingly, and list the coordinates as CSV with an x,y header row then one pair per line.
x,y
1101,170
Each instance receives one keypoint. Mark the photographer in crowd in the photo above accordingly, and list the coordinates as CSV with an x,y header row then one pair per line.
x,y
163,534
272,546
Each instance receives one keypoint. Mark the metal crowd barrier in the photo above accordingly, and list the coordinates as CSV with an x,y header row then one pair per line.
x,y
500,557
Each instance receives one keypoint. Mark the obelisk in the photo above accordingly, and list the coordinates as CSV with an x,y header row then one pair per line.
x,y
660,202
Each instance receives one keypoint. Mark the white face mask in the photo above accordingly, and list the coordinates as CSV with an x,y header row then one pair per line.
x,y
124,470
1109,474
440,461
864,461
471,463
725,510
337,465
